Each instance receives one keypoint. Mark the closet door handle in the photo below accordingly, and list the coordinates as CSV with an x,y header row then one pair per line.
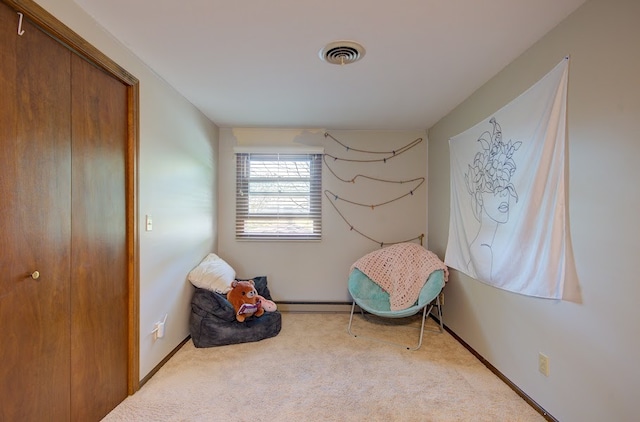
x,y
35,275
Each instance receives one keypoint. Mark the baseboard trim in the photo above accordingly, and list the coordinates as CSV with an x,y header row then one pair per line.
x,y
162,362
500,375
315,307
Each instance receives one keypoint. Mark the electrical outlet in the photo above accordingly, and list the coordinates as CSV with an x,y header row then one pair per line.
x,y
543,364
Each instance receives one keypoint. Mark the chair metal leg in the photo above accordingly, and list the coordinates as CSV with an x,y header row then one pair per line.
x,y
424,317
440,317
353,307
438,306
425,311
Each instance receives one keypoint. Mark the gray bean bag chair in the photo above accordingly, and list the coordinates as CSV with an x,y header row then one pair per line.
x,y
213,320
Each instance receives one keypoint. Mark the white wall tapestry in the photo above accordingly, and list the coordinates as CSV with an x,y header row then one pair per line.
x,y
507,225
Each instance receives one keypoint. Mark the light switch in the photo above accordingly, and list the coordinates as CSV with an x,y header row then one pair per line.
x,y
149,223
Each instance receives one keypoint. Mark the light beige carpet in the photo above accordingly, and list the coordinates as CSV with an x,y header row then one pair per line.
x,y
314,371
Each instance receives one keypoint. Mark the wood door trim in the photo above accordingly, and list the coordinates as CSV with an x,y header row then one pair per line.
x,y
48,23
133,243
59,31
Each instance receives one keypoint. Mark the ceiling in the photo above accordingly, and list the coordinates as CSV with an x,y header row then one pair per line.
x,y
255,63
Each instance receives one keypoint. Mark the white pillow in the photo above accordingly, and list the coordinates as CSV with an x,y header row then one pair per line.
x,y
213,273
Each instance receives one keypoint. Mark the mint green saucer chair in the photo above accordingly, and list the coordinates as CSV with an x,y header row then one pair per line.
x,y
372,299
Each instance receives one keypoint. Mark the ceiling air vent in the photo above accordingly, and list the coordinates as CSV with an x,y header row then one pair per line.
x,y
342,52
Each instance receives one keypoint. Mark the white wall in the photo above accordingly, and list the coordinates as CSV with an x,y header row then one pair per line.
x,y
177,187
318,271
593,345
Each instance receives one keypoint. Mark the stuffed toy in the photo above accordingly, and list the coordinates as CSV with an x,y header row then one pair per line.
x,y
267,305
246,301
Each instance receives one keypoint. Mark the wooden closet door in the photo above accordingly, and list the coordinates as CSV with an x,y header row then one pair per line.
x,y
35,191
99,330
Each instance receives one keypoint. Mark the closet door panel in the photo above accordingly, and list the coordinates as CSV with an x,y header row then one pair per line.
x,y
99,261
35,190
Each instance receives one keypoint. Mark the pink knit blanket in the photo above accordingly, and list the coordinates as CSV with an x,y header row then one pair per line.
x,y
401,270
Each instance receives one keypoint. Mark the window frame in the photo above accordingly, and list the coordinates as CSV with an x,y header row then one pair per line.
x,y
278,220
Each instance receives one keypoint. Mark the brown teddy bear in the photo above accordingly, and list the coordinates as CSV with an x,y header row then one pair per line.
x,y
246,301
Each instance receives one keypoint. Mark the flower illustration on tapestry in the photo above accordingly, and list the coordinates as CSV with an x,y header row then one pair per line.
x,y
492,170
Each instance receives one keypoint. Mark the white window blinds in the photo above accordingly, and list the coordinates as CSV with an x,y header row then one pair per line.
x,y
278,196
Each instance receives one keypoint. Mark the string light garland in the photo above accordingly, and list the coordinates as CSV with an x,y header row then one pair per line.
x,y
333,198
390,154
372,206
352,228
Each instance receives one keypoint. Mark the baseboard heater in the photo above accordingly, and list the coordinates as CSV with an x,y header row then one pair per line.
x,y
331,307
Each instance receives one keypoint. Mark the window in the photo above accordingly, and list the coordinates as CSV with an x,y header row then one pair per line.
x,y
279,196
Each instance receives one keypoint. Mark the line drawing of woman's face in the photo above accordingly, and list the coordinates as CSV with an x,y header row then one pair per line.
x,y
489,177
496,205
488,181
